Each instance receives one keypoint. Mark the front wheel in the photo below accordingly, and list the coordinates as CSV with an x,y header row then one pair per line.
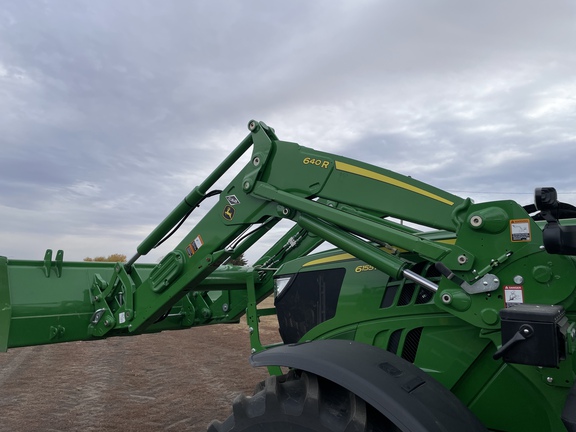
x,y
302,402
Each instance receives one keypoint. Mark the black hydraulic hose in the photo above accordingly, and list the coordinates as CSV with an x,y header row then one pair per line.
x,y
132,260
167,236
249,233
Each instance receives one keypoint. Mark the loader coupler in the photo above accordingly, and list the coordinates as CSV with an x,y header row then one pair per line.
x,y
45,302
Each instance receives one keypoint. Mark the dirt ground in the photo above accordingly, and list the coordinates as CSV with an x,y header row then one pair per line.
x,y
171,381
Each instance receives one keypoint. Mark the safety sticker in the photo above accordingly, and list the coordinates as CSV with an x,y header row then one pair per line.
x,y
513,294
232,200
193,247
228,213
520,230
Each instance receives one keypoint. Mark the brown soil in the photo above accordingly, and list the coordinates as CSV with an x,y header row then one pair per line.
x,y
171,381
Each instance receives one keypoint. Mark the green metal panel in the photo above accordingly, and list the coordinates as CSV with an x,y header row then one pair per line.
x,y
457,354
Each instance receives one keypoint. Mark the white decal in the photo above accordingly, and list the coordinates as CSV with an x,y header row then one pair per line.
x,y
232,199
520,230
513,294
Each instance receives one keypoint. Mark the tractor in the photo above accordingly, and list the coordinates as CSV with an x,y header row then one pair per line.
x,y
427,312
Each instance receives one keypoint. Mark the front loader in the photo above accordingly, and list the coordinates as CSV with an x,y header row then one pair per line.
x,y
465,323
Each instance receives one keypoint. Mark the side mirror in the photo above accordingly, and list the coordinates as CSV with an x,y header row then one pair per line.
x,y
558,239
546,199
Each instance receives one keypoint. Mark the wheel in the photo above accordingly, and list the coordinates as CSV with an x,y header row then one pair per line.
x,y
302,402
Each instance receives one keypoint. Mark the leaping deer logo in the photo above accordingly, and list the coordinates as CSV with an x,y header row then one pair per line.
x,y
228,213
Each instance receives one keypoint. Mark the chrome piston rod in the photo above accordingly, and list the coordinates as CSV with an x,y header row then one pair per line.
x,y
415,277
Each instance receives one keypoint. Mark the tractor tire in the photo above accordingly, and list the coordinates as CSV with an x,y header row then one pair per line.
x,y
302,402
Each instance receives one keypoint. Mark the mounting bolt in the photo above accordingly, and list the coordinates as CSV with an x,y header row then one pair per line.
x,y
549,380
462,259
476,221
518,280
251,330
446,298
106,323
246,185
256,161
253,125
225,307
253,350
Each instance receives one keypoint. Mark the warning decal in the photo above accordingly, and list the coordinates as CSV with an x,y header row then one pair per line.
x,y
232,199
520,230
513,294
193,247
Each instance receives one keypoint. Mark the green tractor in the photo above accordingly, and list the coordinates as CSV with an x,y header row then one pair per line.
x,y
466,323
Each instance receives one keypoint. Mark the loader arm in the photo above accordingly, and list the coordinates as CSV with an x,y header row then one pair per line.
x,y
330,198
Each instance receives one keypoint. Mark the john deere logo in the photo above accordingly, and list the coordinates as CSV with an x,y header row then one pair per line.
x,y
228,213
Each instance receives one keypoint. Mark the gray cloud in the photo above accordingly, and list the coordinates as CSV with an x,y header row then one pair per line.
x,y
111,112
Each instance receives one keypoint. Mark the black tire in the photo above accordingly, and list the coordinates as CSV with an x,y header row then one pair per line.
x,y
302,402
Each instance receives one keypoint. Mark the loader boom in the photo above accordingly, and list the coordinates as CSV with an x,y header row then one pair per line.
x,y
331,198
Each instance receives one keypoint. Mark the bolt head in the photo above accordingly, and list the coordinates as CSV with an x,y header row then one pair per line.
x,y
476,221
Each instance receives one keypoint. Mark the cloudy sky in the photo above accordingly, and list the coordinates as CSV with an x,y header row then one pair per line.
x,y
111,112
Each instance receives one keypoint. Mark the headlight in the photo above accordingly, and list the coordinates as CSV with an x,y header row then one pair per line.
x,y
280,283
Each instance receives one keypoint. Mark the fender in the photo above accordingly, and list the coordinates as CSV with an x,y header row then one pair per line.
x,y
402,392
